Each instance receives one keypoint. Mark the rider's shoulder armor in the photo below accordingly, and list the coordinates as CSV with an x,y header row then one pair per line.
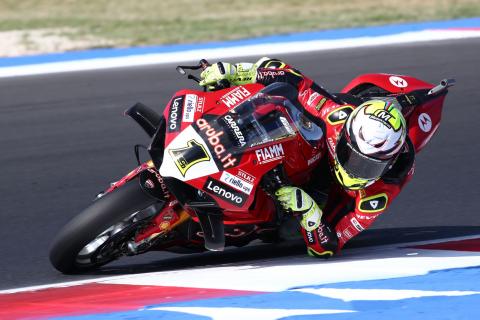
x,y
335,114
271,63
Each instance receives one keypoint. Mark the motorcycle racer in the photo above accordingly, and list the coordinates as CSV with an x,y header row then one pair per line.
x,y
370,156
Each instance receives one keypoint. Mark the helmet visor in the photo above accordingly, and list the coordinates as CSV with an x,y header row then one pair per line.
x,y
357,164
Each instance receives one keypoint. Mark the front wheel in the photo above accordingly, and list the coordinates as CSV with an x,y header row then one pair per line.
x,y
99,233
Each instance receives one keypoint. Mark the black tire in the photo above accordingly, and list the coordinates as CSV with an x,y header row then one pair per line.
x,y
91,222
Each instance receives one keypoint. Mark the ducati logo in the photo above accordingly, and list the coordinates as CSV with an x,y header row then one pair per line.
x,y
374,204
187,157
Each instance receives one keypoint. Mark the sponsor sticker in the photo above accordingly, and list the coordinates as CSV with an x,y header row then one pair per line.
x,y
225,192
235,96
356,224
287,125
312,98
188,156
384,117
189,108
322,235
320,104
398,82
331,144
270,73
339,115
245,176
235,130
149,184
200,104
374,203
347,233
425,122
310,237
236,182
181,155
160,180
314,158
174,114
213,137
270,153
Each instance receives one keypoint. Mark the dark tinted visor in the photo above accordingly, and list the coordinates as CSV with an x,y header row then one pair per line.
x,y
357,164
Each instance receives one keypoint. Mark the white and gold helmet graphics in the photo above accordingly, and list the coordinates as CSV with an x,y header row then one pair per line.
x,y
369,143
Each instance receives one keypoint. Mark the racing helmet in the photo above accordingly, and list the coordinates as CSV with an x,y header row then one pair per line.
x,y
369,143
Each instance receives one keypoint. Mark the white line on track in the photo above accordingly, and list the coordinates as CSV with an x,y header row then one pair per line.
x,y
380,262
230,52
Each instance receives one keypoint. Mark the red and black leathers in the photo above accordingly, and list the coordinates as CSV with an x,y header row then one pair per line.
x,y
346,213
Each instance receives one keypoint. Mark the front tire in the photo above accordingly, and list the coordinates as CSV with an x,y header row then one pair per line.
x,y
67,253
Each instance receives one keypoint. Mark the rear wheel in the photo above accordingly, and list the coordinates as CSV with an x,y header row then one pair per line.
x,y
99,234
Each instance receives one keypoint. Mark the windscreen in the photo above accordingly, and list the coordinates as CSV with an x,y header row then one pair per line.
x,y
260,120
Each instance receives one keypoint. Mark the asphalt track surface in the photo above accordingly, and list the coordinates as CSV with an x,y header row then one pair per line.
x,y
63,139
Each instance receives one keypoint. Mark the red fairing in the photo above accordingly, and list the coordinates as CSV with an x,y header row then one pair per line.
x,y
424,121
189,107
389,82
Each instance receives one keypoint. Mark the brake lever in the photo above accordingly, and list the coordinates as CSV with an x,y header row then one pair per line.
x,y
202,64
192,77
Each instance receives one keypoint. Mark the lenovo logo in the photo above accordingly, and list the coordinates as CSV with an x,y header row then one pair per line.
x,y
175,114
224,192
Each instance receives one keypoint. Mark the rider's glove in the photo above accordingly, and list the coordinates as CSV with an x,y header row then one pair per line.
x,y
241,73
300,203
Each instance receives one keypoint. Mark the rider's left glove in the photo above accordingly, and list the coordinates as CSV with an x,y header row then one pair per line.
x,y
217,72
300,203
238,74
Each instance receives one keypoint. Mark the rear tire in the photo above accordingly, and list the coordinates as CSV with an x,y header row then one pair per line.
x,y
102,214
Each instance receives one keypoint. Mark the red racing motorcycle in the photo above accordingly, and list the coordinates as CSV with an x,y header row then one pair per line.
x,y
216,160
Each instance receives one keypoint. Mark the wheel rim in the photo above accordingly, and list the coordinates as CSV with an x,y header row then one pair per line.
x,y
107,246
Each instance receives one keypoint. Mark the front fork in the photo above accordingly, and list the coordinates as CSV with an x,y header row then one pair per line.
x,y
168,212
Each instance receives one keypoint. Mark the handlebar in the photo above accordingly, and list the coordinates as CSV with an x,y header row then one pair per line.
x,y
202,64
444,84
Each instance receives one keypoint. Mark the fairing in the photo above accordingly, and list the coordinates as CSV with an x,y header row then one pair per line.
x,y
225,151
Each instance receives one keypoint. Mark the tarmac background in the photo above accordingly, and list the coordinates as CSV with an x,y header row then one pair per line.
x,y
63,139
